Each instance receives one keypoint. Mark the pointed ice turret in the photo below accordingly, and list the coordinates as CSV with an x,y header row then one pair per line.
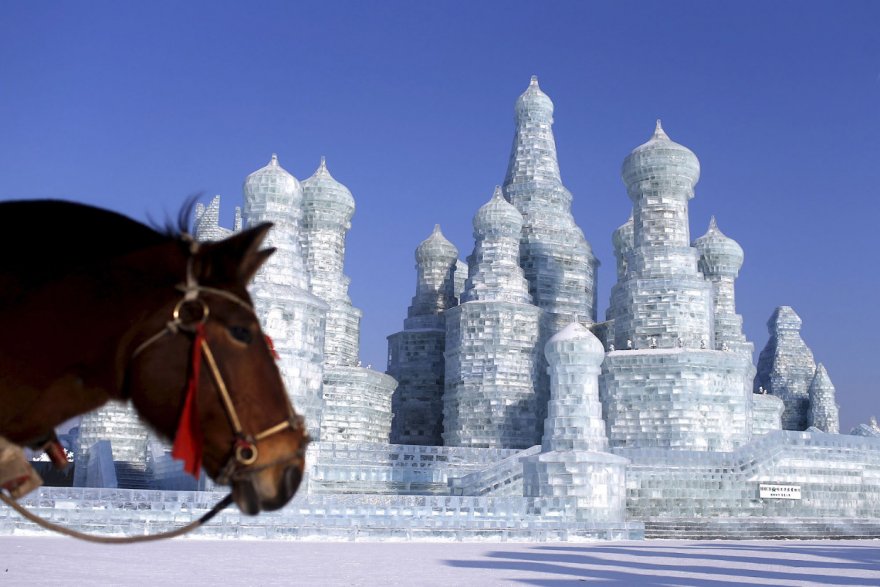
x,y
492,342
436,260
415,355
786,367
557,260
494,265
720,260
660,176
328,207
824,413
289,313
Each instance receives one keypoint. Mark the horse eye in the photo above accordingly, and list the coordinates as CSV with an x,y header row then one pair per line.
x,y
241,334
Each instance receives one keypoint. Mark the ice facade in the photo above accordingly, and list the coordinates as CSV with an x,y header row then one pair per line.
x,y
492,341
655,422
786,367
415,354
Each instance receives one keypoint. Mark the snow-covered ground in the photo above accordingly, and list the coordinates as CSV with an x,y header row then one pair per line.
x,y
190,562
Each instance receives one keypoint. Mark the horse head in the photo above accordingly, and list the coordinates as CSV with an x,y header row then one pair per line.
x,y
206,377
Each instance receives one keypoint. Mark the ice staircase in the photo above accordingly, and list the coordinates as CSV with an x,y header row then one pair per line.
x,y
503,478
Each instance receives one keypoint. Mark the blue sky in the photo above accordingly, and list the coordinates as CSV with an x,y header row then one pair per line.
x,y
135,106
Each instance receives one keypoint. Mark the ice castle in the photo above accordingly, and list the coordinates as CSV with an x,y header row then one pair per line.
x,y
508,411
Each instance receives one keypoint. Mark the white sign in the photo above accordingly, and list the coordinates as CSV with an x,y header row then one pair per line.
x,y
773,491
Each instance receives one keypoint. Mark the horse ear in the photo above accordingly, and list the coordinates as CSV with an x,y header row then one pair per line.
x,y
239,256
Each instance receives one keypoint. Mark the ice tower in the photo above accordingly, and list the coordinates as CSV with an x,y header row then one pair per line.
x,y
786,367
664,385
357,401
206,223
556,258
415,354
492,341
293,317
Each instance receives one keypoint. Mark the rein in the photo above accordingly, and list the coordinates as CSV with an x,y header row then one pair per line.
x,y
226,501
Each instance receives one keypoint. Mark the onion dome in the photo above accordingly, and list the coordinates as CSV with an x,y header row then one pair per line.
x,y
662,163
535,103
498,217
272,188
575,338
719,254
623,238
436,247
322,190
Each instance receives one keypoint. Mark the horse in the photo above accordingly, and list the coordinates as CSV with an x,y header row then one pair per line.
x,y
97,307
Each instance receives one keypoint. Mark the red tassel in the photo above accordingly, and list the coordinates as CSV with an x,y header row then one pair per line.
x,y
188,439
272,346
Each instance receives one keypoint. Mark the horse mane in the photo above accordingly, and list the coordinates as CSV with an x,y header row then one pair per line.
x,y
42,239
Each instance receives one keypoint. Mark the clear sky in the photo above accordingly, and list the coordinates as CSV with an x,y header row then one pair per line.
x,y
135,106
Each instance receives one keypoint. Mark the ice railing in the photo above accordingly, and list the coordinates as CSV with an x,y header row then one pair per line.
x,y
501,478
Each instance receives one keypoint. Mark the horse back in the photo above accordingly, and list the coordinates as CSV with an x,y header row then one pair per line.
x,y
43,240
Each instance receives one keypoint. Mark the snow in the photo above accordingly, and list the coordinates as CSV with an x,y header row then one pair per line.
x,y
28,560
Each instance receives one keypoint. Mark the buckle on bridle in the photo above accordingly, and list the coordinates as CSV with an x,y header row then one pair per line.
x,y
246,452
190,322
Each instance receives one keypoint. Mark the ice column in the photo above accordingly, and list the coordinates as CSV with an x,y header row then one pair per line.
x,y
623,241
491,341
357,400
664,386
574,462
824,413
415,355
786,367
292,316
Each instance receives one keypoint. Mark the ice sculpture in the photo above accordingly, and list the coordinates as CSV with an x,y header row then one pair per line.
x,y
824,413
415,355
356,401
664,386
766,413
786,367
492,341
290,315
575,462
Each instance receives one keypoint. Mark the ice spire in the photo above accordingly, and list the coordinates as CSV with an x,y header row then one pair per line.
x,y
824,413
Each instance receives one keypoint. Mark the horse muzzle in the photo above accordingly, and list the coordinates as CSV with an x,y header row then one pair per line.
x,y
252,493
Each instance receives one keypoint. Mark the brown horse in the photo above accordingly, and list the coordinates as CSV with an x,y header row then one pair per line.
x,y
95,306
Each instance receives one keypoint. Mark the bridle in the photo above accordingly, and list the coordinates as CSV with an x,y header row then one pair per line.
x,y
244,452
